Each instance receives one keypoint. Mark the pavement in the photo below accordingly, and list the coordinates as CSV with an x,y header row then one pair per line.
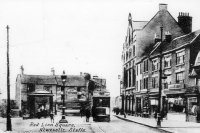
x,y
171,126
37,125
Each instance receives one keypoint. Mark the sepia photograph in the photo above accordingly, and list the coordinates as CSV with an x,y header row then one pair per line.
x,y
99,66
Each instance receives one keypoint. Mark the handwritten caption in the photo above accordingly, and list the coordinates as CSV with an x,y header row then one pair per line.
x,y
57,127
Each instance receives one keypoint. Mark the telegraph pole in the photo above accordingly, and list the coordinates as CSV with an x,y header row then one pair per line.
x,y
160,83
9,126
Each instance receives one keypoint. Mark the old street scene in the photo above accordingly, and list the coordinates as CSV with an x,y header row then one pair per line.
x,y
94,66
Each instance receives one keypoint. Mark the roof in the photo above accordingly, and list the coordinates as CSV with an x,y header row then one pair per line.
x,y
99,81
177,42
145,37
72,80
38,79
138,25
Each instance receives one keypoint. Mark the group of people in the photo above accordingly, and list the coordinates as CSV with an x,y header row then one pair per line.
x,y
88,112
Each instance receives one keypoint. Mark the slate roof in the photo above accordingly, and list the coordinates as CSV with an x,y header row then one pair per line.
x,y
72,80
177,42
38,79
145,37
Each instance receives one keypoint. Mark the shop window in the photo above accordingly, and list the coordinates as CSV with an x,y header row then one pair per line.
x,y
155,65
180,57
192,106
180,77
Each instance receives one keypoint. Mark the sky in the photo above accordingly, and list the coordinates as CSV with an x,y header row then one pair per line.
x,y
74,35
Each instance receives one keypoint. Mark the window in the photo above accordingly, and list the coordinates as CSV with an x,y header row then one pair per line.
x,y
145,65
47,88
155,65
137,69
31,87
140,84
198,81
154,82
167,61
140,69
180,77
133,50
126,56
137,85
145,83
180,57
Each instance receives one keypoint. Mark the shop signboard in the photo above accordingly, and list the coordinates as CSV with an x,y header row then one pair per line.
x,y
71,93
175,86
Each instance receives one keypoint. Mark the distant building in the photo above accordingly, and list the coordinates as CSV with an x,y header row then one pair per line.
x,y
36,91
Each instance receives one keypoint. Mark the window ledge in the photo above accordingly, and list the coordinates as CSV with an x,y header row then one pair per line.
x,y
168,67
180,64
155,70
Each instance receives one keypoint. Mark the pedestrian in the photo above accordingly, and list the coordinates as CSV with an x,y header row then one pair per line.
x,y
93,112
81,112
87,114
38,113
52,116
124,114
155,114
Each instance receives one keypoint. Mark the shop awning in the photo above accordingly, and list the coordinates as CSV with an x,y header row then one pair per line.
x,y
40,93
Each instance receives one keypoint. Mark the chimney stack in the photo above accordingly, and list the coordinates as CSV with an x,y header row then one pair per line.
x,y
52,71
185,22
22,70
168,36
162,7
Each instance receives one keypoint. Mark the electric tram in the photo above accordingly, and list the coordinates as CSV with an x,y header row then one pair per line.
x,y
101,106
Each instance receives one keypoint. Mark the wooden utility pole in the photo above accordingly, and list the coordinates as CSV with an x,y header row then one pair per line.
x,y
9,126
160,83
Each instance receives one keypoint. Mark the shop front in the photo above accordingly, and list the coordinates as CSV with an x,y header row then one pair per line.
x,y
40,103
192,95
138,105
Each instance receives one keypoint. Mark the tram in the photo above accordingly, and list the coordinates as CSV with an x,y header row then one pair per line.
x,y
101,106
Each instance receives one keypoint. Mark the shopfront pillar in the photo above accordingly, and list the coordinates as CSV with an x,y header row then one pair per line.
x,y
133,104
129,111
51,103
126,103
122,109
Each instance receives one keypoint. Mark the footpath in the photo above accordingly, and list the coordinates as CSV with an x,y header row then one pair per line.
x,y
171,126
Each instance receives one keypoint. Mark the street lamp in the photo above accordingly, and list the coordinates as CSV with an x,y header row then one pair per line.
x,y
64,78
160,83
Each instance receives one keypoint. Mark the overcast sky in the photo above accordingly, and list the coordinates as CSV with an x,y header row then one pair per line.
x,y
75,36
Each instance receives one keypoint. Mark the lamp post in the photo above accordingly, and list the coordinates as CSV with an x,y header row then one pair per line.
x,y
160,83
64,78
9,126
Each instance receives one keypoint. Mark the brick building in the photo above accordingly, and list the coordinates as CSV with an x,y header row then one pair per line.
x,y
140,56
